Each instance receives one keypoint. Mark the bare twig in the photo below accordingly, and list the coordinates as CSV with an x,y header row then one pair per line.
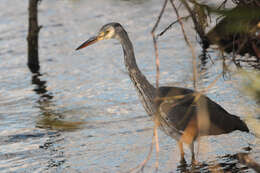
x,y
154,141
222,5
156,146
155,134
155,44
169,26
197,24
144,162
211,84
157,80
157,62
189,44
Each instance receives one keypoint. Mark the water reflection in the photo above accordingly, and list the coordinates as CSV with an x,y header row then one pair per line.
x,y
204,56
41,88
56,153
44,104
227,163
107,140
50,118
203,65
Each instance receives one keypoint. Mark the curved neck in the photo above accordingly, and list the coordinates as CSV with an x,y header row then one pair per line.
x,y
146,91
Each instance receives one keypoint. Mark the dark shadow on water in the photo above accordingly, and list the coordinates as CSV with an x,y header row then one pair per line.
x,y
227,163
205,59
56,153
41,88
53,121
50,117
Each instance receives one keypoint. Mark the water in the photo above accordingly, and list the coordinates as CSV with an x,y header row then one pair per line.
x,y
82,113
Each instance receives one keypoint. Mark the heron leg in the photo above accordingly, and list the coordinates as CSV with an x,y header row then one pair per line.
x,y
192,151
180,143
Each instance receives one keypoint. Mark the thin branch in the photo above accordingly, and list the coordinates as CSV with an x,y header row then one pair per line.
x,y
157,80
169,26
157,147
156,142
198,26
189,44
142,165
155,134
157,61
215,80
222,5
155,44
159,17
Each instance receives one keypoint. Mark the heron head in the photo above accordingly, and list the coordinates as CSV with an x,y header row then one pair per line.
x,y
107,31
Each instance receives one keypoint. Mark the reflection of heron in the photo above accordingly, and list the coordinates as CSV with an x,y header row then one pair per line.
x,y
226,163
177,108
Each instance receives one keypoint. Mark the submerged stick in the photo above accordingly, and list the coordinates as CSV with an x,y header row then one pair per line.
x,y
32,38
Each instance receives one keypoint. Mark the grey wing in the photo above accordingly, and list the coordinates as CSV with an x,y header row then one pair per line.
x,y
225,121
175,115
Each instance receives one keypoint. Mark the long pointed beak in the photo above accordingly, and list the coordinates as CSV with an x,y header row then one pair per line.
x,y
90,41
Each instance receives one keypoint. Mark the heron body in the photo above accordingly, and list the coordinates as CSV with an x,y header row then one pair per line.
x,y
178,110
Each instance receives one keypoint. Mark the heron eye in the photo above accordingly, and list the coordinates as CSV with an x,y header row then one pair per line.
x,y
106,32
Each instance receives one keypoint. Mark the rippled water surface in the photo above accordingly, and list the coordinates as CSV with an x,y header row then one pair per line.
x,y
82,113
